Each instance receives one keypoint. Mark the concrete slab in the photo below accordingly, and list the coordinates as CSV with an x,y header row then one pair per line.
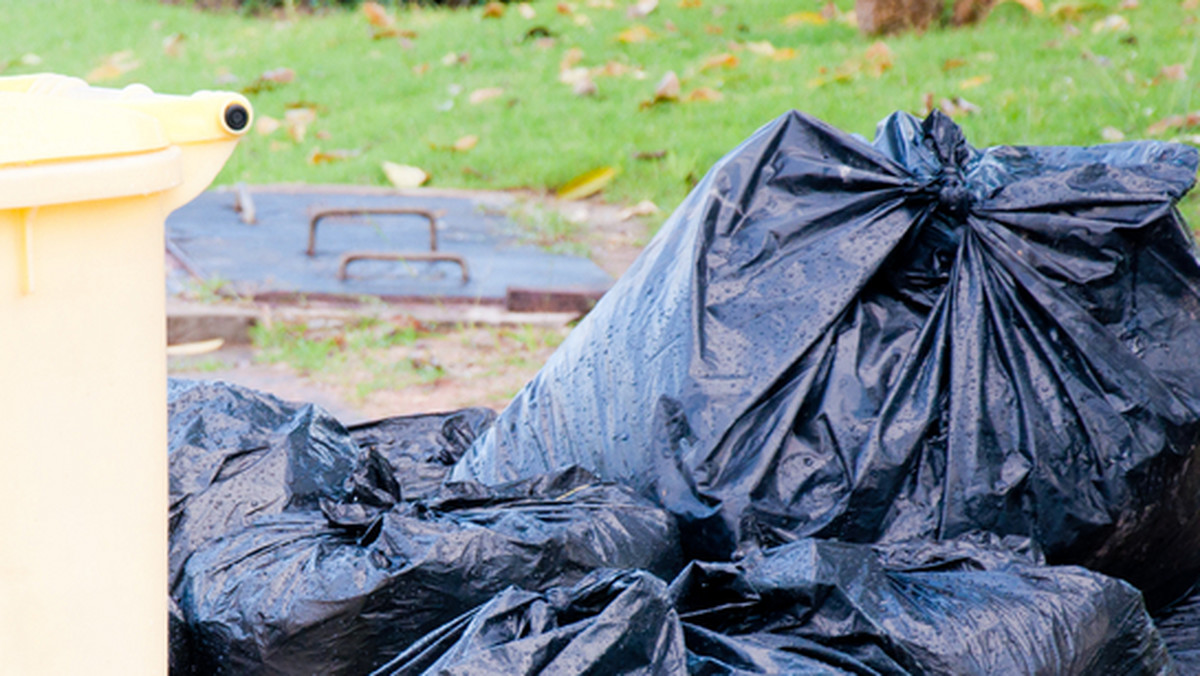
x,y
267,260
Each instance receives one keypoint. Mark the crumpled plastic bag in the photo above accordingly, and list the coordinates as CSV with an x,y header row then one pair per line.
x,y
810,607
905,340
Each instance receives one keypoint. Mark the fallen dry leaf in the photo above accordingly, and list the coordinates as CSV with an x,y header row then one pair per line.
x,y
570,58
403,175
1190,4
641,8
172,45
565,8
493,10
1112,134
466,143
318,156
584,87
376,15
1033,6
649,155
266,125
762,48
703,94
573,76
526,10
690,4
713,29
1113,23
950,64
973,82
486,94
958,107
643,208
634,34
877,59
1129,4
804,19
297,120
667,88
272,79
455,58
587,184
421,68
1175,72
725,60
114,66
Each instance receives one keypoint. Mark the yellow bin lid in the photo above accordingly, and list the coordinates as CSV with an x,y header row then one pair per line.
x,y
64,141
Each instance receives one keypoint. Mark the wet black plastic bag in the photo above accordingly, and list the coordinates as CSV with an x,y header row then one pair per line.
x,y
237,455
421,449
342,590
1179,626
810,607
611,622
900,341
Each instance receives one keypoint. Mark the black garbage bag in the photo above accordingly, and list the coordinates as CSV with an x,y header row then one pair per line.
x,y
610,622
421,449
905,340
811,607
912,609
237,455
1179,626
344,589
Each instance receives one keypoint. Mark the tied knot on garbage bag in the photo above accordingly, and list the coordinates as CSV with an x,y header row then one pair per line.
x,y
951,196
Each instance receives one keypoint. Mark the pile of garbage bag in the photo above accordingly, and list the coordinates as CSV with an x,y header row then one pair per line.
x,y
894,407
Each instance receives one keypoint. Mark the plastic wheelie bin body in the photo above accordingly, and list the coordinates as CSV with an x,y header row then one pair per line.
x,y
87,178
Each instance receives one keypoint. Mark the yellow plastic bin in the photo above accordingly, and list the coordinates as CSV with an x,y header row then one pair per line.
x,y
87,177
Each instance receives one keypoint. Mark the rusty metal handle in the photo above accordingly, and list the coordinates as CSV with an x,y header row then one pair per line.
x,y
383,211
352,256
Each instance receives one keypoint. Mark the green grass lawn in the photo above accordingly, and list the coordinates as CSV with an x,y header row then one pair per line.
x,y
1080,73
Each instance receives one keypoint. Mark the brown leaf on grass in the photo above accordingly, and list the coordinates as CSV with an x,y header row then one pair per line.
x,y
690,4
587,184
584,87
1113,23
527,11
877,59
266,125
1174,122
420,69
172,45
1174,73
643,208
765,49
1112,134
635,34
1034,7
486,94
724,60
573,76
376,15
641,8
493,10
645,155
565,8
318,156
713,29
272,79
703,94
570,58
114,66
465,143
296,122
668,89
804,19
403,175
1129,4
973,82
456,59
959,107
952,63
